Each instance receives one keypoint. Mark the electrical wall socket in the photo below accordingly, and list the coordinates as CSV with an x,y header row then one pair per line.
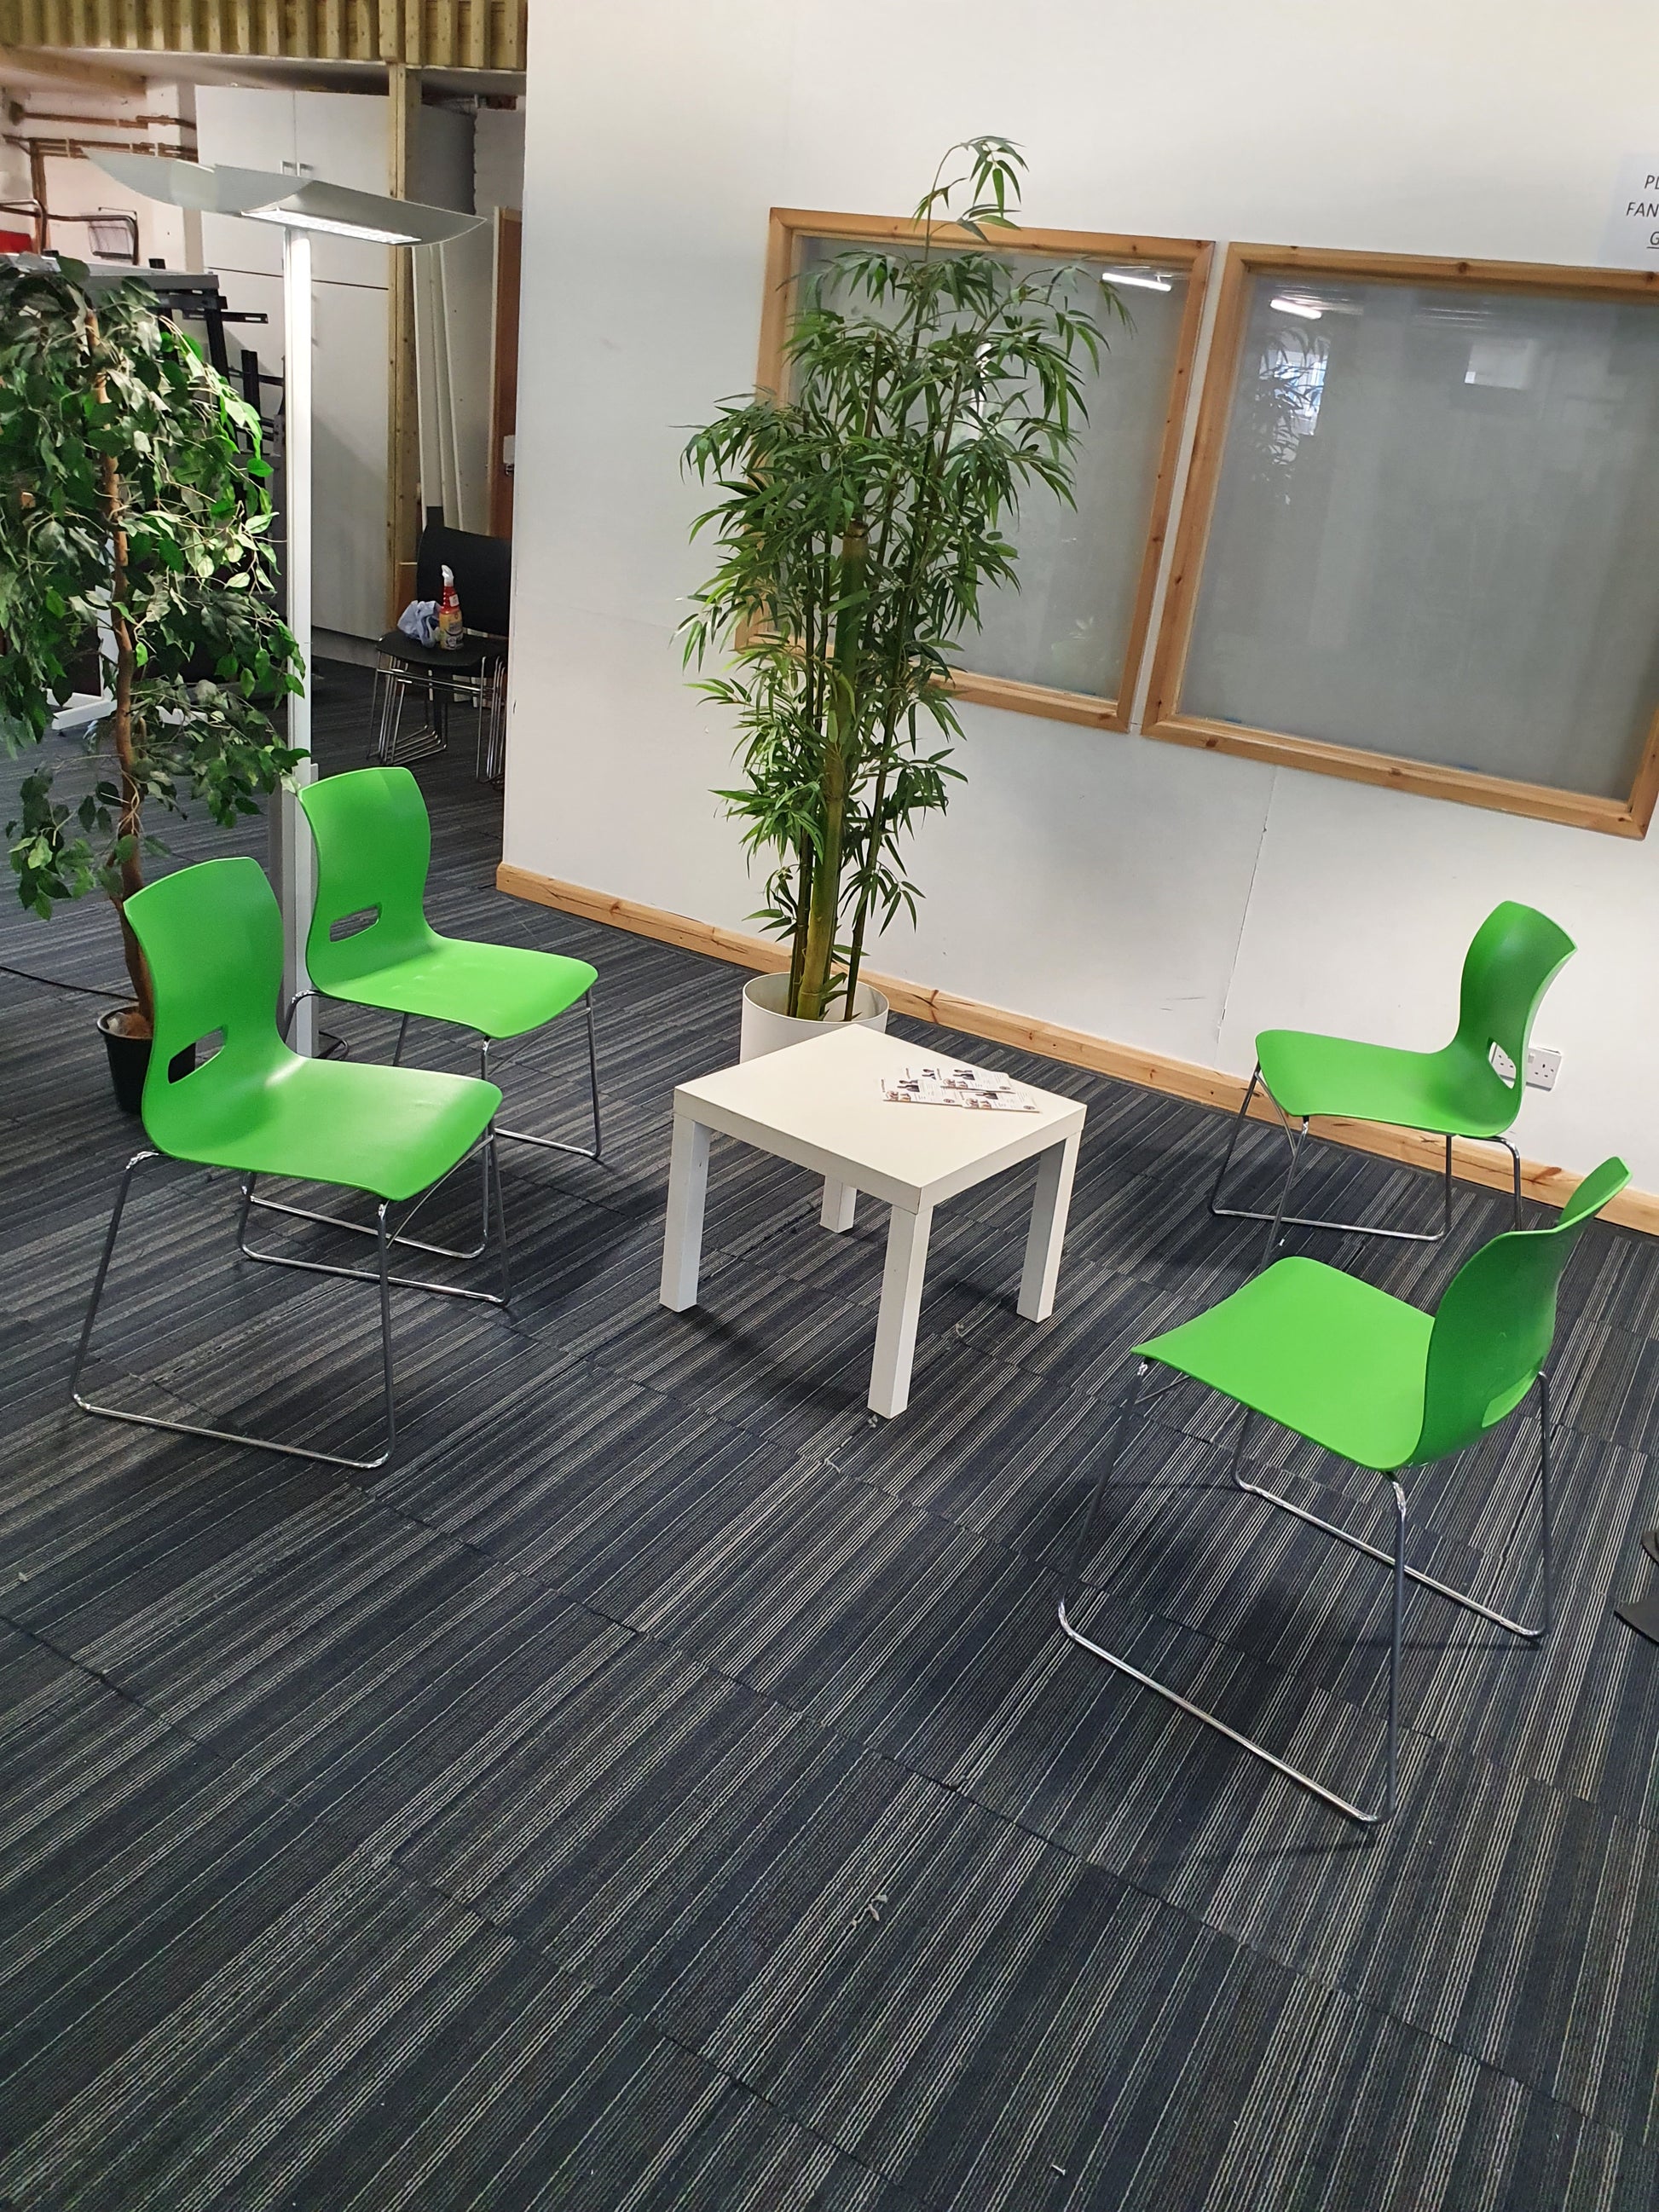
x,y
1542,1068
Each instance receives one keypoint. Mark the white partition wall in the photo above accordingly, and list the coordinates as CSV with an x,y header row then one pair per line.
x,y
1171,899
342,136
452,329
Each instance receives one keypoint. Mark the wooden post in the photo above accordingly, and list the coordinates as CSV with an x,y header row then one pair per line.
x,y
504,369
38,193
402,521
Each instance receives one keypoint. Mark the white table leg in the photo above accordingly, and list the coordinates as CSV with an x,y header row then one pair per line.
x,y
1049,1207
840,1200
901,1304
682,1241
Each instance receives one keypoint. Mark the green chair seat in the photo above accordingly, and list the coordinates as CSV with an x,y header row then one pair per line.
x,y
212,936
389,1131
499,990
1382,1385
1455,1091
1318,1351
373,841
1451,1093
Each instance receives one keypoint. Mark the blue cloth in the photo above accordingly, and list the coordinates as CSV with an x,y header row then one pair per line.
x,y
419,620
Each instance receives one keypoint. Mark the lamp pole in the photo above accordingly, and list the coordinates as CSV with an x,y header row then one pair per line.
x,y
292,859
300,205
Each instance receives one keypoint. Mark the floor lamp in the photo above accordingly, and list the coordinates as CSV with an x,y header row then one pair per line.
x,y
300,205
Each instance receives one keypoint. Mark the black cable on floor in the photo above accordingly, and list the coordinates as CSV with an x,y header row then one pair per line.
x,y
334,1048
56,983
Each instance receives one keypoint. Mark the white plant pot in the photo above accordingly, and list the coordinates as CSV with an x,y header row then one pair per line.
x,y
767,1028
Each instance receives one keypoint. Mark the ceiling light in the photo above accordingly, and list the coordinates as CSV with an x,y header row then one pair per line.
x,y
1287,304
294,203
1143,280
294,219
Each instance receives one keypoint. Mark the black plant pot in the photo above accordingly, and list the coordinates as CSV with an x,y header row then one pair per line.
x,y
128,1061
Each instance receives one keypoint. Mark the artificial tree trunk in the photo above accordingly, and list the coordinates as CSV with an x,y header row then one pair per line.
x,y
841,730
128,828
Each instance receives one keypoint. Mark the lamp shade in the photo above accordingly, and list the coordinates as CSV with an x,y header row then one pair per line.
x,y
185,183
295,202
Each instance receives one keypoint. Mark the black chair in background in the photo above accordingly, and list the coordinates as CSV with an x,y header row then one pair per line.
x,y
474,674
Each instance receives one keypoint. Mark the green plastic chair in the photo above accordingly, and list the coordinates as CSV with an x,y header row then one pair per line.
x,y
1383,1385
1516,954
212,936
373,839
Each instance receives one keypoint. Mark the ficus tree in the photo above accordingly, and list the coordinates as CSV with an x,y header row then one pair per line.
x,y
134,512
860,514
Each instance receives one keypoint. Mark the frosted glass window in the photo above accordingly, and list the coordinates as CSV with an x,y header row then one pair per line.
x,y
1435,530
1067,626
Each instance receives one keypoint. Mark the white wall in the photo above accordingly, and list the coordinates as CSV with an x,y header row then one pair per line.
x,y
1171,899
76,186
454,285
14,175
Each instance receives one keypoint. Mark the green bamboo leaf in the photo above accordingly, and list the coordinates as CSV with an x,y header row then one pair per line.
x,y
927,391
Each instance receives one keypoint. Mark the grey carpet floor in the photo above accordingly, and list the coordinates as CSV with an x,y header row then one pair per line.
x,y
664,1789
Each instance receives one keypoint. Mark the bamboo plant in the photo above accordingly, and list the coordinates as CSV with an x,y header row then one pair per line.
x,y
861,514
133,510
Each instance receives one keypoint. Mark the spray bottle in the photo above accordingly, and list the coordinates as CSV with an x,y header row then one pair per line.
x,y
451,628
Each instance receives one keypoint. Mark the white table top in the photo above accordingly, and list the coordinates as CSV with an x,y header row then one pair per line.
x,y
819,1105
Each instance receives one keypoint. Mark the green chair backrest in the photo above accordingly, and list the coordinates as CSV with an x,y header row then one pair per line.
x,y
1516,954
1494,1326
373,841
213,937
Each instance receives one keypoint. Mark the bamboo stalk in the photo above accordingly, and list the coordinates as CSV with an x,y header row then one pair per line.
x,y
841,728
798,941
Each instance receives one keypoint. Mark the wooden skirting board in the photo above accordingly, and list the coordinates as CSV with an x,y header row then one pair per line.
x,y
1180,1078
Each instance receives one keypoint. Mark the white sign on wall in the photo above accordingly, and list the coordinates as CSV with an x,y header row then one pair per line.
x,y
1632,234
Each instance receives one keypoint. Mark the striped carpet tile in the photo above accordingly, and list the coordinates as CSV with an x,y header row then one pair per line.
x,y
664,1788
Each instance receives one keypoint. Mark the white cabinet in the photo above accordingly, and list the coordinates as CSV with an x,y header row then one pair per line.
x,y
342,135
251,130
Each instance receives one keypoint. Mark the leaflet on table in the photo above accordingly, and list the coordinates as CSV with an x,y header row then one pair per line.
x,y
940,1083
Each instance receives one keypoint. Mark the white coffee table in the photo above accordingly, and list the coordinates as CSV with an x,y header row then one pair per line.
x,y
820,1105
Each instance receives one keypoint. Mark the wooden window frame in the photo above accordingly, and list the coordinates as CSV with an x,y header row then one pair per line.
x,y
1626,818
1192,256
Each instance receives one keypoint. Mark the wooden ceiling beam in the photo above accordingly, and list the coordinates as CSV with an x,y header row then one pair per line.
x,y
68,69
462,34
